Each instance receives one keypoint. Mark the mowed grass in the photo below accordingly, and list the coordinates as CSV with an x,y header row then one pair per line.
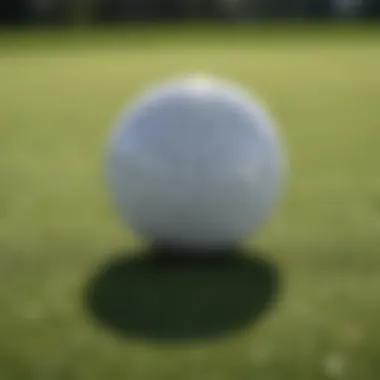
x,y
59,94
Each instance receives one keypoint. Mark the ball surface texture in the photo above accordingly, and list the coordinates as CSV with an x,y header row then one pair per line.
x,y
195,162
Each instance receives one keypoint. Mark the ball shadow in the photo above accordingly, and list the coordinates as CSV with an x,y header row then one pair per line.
x,y
163,297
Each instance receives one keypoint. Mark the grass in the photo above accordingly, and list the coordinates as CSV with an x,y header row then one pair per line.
x,y
60,92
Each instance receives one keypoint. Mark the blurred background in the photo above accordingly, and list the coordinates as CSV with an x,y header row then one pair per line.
x,y
77,304
93,11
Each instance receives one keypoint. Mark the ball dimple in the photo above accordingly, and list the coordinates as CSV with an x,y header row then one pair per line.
x,y
195,161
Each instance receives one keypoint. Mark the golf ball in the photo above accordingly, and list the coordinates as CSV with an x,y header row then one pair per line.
x,y
195,162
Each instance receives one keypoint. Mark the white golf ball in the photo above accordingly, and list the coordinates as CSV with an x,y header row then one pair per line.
x,y
195,162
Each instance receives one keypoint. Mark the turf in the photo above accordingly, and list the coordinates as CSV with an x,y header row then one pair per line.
x,y
60,92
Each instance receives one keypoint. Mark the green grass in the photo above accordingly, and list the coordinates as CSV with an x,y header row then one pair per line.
x,y
60,92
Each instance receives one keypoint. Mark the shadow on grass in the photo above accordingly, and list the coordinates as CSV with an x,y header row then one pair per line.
x,y
163,297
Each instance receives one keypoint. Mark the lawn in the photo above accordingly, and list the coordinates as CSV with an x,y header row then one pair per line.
x,y
320,256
